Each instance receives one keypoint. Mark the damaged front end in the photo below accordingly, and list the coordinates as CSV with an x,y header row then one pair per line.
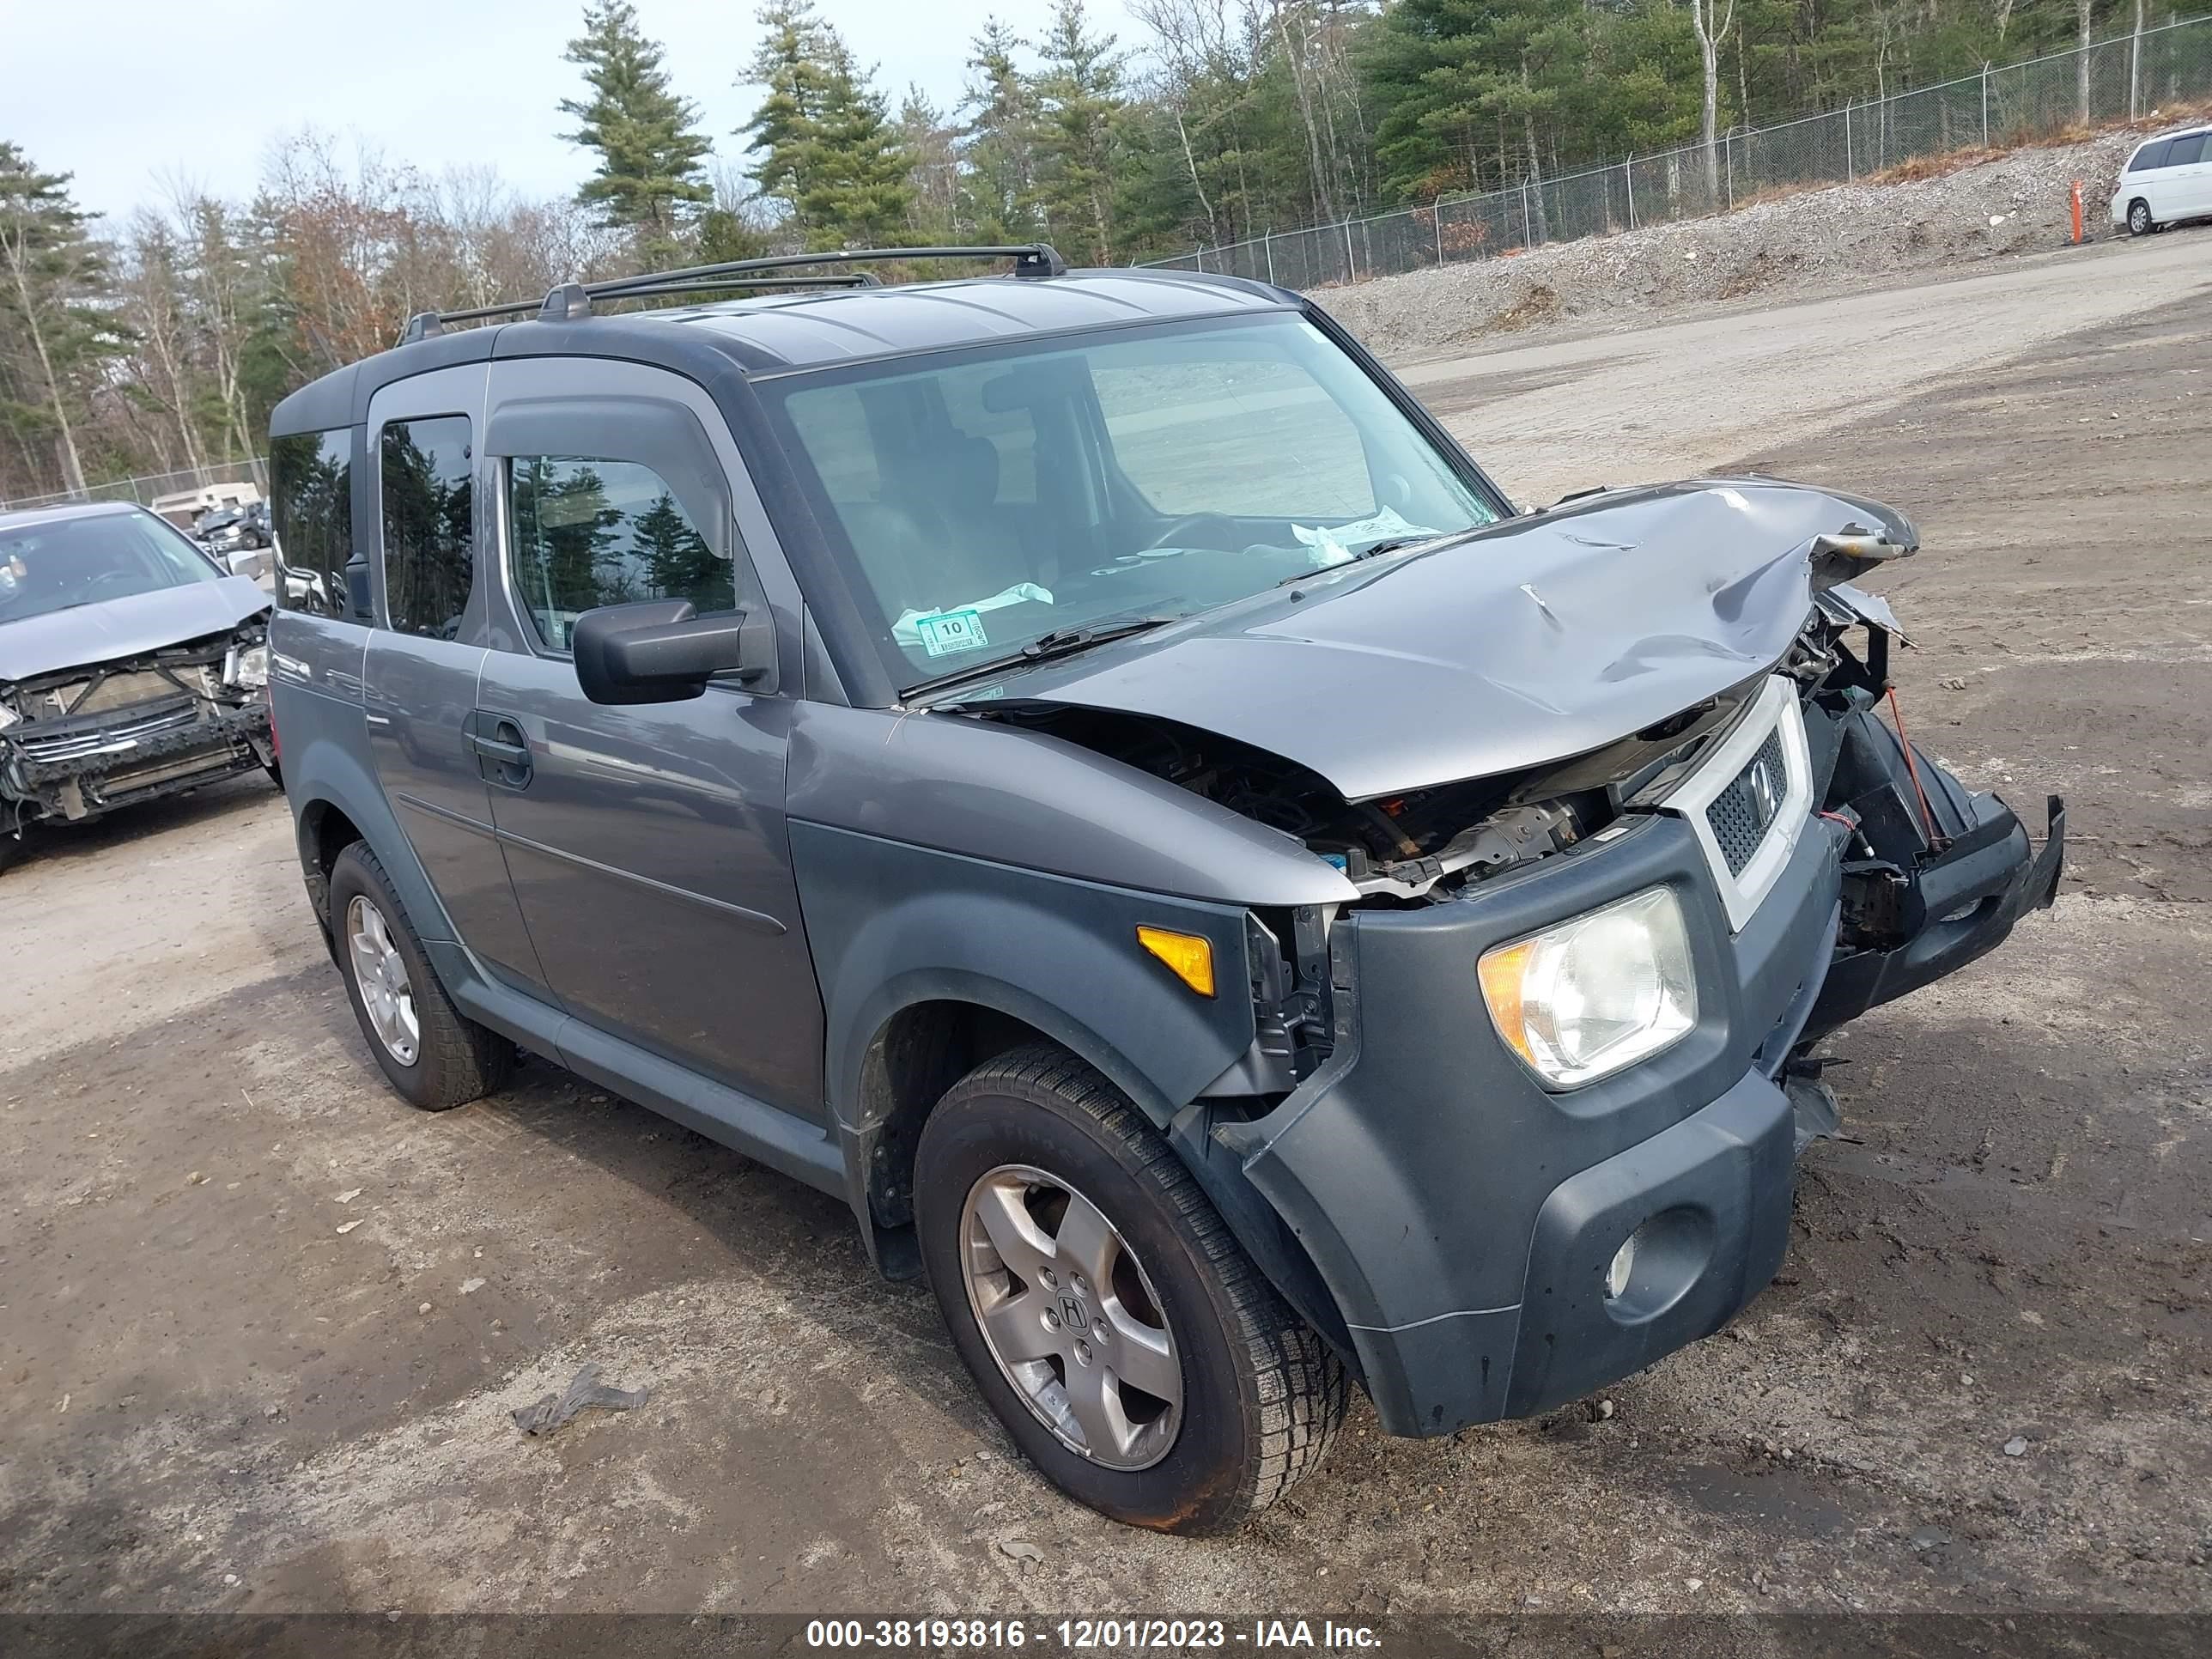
x,y
1483,1236
1931,874
78,742
1934,874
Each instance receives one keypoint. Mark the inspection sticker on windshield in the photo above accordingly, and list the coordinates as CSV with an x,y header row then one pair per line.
x,y
951,630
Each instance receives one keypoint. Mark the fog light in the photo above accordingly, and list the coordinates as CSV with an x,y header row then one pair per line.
x,y
1616,1275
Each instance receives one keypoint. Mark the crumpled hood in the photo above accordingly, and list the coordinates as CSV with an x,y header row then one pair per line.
x,y
1538,639
128,626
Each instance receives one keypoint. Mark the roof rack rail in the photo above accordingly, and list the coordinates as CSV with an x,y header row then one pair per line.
x,y
571,302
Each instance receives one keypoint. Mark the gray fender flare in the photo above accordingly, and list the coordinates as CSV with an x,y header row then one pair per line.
x,y
892,926
1066,970
322,770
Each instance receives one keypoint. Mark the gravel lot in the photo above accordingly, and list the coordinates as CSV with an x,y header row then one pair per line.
x,y
1810,242
261,1324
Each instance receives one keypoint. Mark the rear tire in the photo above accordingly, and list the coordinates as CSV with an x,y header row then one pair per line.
x,y
1032,1141
2140,223
434,1055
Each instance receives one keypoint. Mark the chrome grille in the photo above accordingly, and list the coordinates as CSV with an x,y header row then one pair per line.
x,y
1743,812
119,739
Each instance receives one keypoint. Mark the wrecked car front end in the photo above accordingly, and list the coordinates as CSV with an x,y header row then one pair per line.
x,y
1529,1101
130,666
79,741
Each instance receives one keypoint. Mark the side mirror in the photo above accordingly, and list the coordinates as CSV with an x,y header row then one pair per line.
x,y
359,606
660,651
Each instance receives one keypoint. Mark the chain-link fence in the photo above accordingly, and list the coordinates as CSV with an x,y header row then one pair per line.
x,y
151,487
2123,79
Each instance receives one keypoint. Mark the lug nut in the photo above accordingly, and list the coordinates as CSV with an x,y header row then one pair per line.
x,y
1082,1352
1051,1279
1052,1319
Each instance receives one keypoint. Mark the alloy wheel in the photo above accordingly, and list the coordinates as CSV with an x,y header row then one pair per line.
x,y
1070,1316
2139,219
381,972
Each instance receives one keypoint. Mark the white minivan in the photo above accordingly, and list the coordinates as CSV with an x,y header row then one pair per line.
x,y
2167,180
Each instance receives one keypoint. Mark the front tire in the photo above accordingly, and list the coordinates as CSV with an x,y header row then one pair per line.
x,y
434,1055
1111,1321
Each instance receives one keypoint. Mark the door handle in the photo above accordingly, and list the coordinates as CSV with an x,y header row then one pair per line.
x,y
502,751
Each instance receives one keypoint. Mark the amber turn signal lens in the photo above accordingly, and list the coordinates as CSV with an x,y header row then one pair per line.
x,y
1188,955
1502,973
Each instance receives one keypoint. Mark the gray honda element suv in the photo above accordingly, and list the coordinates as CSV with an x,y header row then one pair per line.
x,y
1082,767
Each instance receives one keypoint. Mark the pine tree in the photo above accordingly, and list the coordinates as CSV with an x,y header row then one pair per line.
x,y
1464,82
1079,93
932,148
827,148
56,327
651,178
999,141
678,564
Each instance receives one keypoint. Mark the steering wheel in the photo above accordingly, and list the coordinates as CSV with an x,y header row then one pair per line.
x,y
1179,534
103,578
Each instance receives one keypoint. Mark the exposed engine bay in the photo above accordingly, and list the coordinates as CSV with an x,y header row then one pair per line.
x,y
77,742
1425,845
1931,873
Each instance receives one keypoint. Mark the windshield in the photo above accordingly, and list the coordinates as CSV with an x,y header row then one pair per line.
x,y
991,499
65,562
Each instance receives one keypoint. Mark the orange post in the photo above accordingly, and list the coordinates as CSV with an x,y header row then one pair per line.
x,y
2077,213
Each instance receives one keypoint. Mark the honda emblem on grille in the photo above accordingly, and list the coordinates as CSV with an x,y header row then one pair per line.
x,y
1760,781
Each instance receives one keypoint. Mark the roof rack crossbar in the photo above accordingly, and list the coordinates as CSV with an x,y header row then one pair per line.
x,y
571,301
1030,260
423,324
662,285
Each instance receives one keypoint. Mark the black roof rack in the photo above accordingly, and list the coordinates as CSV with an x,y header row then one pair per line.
x,y
573,301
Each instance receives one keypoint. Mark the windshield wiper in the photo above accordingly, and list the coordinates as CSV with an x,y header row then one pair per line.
x,y
1387,544
1392,544
1061,642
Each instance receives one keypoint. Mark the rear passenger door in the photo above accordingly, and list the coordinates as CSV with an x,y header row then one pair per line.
x,y
648,844
424,653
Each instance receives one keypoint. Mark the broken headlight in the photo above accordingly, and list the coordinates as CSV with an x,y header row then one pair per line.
x,y
8,714
247,666
1581,1000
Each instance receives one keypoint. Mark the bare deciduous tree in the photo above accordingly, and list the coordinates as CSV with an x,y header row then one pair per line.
x,y
1710,31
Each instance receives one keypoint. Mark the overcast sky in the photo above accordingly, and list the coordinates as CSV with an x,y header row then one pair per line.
x,y
122,92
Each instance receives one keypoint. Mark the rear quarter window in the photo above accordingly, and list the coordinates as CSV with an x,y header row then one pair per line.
x,y
2152,155
310,487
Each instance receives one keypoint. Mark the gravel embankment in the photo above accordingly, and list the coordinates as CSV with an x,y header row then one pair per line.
x,y
1843,236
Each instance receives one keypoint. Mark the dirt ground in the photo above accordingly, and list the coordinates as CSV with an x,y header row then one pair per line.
x,y
261,1324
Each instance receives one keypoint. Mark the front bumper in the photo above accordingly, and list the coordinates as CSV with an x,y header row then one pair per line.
x,y
133,756
1462,1218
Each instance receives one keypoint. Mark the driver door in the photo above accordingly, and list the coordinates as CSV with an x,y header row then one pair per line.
x,y
647,843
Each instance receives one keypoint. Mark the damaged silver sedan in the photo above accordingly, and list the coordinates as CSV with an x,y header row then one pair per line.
x,y
131,667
